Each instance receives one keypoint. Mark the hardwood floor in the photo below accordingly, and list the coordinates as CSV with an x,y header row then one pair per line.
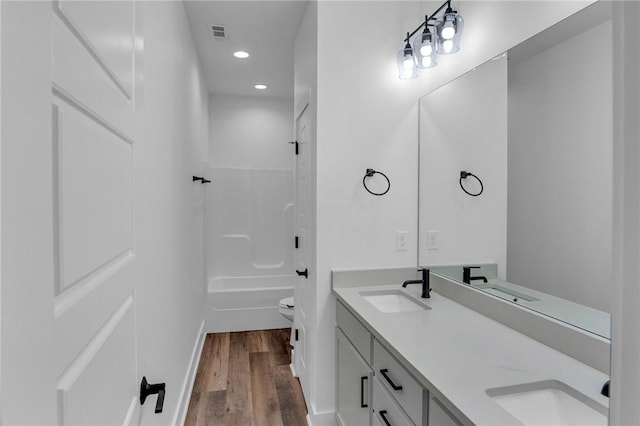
x,y
244,379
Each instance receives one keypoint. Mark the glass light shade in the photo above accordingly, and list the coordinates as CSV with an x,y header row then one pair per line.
x,y
407,63
449,29
425,49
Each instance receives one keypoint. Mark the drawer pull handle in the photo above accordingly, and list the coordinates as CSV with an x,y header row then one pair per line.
x,y
395,387
383,416
362,403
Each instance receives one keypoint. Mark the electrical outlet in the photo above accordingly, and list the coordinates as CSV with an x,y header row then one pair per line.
x,y
433,240
401,240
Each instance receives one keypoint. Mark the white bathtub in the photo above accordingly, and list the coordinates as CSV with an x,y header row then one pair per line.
x,y
246,303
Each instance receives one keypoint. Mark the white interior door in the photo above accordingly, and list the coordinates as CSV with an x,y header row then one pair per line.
x,y
70,77
303,299
95,126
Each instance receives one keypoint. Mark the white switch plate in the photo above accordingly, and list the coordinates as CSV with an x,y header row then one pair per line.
x,y
433,240
401,240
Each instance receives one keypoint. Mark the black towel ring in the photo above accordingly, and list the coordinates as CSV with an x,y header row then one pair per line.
x,y
371,172
463,175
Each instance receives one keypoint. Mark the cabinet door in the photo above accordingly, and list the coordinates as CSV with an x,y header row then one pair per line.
x,y
438,415
353,384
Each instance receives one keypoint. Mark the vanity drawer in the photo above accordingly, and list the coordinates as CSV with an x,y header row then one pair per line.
x,y
355,332
386,410
392,376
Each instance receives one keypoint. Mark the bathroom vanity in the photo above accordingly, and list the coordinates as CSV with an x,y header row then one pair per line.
x,y
405,360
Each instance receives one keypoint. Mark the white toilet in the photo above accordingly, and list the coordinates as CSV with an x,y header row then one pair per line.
x,y
285,307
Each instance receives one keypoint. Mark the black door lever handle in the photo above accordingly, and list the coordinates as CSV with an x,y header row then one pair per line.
x,y
304,273
195,178
147,389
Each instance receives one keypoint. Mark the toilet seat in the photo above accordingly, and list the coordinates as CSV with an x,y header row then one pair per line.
x,y
286,303
286,308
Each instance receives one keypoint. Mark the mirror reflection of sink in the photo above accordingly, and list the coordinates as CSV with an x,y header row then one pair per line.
x,y
549,403
504,292
391,301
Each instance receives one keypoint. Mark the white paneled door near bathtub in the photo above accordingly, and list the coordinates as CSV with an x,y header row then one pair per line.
x,y
96,106
84,163
303,297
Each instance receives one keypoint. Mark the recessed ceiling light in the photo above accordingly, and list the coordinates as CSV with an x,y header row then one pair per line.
x,y
241,54
260,86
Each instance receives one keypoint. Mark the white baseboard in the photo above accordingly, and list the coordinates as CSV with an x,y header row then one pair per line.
x,y
327,418
187,386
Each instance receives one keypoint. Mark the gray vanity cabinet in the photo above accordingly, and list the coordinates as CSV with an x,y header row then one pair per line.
x,y
373,387
353,373
353,384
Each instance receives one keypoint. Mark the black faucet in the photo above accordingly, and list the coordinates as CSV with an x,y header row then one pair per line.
x,y
426,290
466,275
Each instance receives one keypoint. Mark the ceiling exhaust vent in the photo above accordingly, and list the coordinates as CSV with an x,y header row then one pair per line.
x,y
219,32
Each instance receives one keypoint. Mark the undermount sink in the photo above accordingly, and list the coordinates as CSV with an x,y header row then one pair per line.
x,y
391,301
549,403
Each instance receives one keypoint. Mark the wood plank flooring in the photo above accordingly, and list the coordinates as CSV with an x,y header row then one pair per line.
x,y
244,379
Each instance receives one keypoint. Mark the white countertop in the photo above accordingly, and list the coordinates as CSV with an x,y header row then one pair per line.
x,y
457,354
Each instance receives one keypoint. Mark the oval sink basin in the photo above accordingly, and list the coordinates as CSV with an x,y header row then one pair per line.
x,y
549,403
391,301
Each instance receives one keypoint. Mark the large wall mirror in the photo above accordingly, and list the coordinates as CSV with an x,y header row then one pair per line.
x,y
535,125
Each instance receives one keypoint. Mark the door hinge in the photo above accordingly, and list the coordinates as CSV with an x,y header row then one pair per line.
x,y
296,242
296,144
296,337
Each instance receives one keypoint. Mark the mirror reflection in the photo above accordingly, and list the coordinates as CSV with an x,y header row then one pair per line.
x,y
535,126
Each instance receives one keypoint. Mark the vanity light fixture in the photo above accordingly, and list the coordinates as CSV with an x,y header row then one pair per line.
x,y
260,86
425,45
407,62
442,39
449,28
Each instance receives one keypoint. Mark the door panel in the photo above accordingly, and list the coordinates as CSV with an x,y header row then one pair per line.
x,y
94,133
91,391
95,194
80,79
107,29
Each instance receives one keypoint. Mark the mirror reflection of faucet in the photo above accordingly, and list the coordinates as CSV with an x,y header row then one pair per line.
x,y
466,275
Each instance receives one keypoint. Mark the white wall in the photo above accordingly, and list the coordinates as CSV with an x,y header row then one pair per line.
x,y
560,169
463,126
367,118
169,205
250,132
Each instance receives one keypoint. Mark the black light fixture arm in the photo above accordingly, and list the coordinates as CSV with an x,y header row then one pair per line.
x,y
428,18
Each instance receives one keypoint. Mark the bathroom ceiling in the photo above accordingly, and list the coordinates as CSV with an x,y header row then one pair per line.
x,y
265,29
